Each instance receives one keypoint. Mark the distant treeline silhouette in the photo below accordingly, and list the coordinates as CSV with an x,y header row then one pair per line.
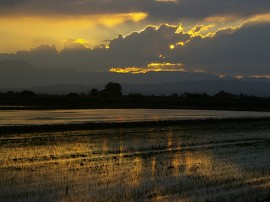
x,y
111,97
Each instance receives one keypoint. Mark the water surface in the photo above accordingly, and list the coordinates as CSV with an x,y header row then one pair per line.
x,y
206,162
30,117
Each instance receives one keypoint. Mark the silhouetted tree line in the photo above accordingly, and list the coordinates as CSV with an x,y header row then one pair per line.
x,y
25,93
114,90
111,97
221,95
111,90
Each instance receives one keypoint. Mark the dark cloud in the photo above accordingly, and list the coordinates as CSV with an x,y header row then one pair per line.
x,y
70,7
10,2
245,52
207,8
136,49
241,52
160,11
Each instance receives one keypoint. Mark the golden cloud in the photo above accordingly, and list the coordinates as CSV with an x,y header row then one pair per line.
x,y
152,67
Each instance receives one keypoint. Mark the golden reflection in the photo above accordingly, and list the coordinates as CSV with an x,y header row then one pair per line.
x,y
105,145
136,172
176,162
121,149
204,164
153,168
170,142
68,177
198,164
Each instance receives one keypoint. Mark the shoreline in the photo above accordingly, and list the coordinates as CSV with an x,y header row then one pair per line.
x,y
21,129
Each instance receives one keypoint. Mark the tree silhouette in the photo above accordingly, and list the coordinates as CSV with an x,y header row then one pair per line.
x,y
113,89
28,93
94,92
224,95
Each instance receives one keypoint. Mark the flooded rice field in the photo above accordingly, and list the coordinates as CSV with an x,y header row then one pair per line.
x,y
204,162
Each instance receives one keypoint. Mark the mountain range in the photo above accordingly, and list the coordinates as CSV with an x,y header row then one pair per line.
x,y
20,75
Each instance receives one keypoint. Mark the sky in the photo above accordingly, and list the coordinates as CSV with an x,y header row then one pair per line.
x,y
224,37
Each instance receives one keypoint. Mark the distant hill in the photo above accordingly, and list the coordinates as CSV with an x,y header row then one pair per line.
x,y
19,75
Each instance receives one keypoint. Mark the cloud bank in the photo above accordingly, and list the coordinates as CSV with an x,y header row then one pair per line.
x,y
29,23
246,51
242,50
159,9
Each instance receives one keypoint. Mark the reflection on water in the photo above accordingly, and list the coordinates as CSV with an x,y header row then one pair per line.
x,y
136,172
176,163
199,163
105,146
121,151
170,141
171,164
26,117
153,168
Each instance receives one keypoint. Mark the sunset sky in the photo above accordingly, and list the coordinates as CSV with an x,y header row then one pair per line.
x,y
224,37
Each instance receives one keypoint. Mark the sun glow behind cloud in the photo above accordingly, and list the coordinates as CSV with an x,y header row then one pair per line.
x,y
152,67
225,37
22,33
210,27
26,32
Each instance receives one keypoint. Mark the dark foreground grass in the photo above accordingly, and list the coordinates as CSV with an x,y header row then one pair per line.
x,y
262,121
